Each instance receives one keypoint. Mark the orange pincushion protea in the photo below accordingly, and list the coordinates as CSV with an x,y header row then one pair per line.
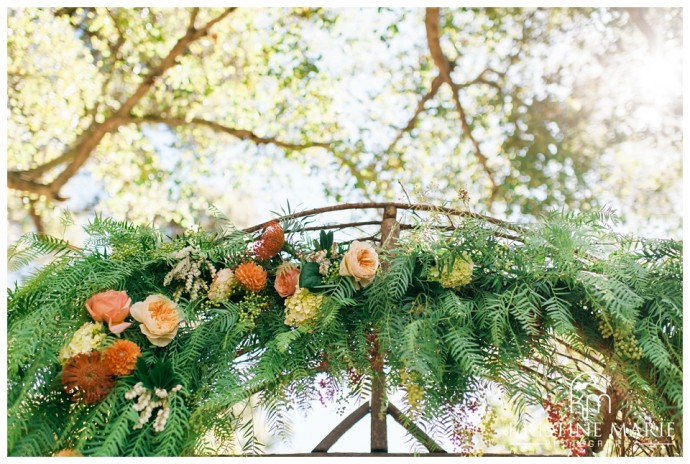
x,y
86,378
271,242
251,276
121,357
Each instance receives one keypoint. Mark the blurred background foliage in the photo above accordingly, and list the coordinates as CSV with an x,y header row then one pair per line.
x,y
529,110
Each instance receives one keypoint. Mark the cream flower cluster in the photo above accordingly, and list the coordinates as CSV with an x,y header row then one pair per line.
x,y
320,258
188,270
87,338
459,276
302,307
146,404
222,286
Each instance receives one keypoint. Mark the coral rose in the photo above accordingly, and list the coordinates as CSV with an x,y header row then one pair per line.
x,y
159,318
111,307
361,262
287,278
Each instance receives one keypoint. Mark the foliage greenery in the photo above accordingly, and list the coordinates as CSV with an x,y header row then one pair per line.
x,y
551,298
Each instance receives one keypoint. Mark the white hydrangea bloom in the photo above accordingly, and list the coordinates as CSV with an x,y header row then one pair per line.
x,y
87,338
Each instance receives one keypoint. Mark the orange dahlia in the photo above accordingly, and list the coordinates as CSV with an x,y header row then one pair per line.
x,y
68,453
251,276
121,357
86,378
271,241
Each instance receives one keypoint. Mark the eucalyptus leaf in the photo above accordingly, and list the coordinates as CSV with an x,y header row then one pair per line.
x,y
309,276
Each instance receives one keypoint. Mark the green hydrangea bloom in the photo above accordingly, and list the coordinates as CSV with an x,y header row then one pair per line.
x,y
302,307
457,276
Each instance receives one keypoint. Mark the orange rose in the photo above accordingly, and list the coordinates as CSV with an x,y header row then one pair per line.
x,y
287,278
361,262
112,307
159,319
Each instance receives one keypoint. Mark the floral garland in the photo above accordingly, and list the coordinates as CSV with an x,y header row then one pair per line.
x,y
169,336
94,358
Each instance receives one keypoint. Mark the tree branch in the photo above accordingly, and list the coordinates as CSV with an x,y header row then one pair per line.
x,y
204,30
192,19
81,151
16,181
481,79
637,17
38,171
377,205
167,62
344,225
36,218
572,348
433,34
414,430
239,133
435,85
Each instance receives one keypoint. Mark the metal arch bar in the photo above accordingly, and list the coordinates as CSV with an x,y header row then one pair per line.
x,y
341,428
391,410
414,430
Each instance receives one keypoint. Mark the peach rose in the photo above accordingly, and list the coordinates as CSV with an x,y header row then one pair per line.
x,y
112,307
361,262
159,318
287,278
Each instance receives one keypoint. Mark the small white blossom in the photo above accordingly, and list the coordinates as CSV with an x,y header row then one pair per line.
x,y
149,401
323,267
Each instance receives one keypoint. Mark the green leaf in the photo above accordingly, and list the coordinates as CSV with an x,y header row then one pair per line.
x,y
309,276
326,241
284,339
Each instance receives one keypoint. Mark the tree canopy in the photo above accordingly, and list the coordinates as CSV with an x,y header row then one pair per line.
x,y
525,109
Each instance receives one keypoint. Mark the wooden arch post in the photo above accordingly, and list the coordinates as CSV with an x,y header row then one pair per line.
x,y
390,232
378,407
